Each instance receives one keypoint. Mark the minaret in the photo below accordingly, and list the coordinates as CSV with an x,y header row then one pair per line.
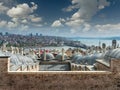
x,y
114,44
99,43
33,53
4,47
104,47
17,50
99,48
77,51
39,52
62,54
12,51
22,51
44,55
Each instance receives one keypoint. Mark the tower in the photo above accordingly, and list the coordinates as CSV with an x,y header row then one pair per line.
x,y
103,47
114,44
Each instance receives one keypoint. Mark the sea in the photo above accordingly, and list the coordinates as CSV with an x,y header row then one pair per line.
x,y
96,42
88,42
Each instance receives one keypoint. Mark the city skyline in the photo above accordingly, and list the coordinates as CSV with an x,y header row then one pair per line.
x,y
72,18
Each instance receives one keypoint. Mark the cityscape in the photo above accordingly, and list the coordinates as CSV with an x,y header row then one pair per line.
x,y
59,45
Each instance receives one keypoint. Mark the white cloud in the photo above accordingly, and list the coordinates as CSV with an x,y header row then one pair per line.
x,y
87,27
103,3
73,31
86,10
57,23
24,27
62,20
108,27
74,23
70,8
36,19
3,23
36,25
9,25
24,21
34,6
3,9
21,11
24,14
12,25
7,1
19,16
15,19
33,18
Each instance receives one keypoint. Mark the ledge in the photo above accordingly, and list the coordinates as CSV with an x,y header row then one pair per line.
x,y
60,72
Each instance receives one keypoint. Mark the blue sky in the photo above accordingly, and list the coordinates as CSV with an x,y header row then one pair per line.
x,y
91,18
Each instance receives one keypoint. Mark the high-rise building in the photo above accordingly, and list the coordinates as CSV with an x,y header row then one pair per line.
x,y
36,34
6,33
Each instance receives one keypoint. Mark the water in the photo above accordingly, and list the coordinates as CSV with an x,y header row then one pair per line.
x,y
57,48
87,42
51,48
96,42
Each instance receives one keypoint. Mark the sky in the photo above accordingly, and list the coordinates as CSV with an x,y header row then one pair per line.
x,y
68,18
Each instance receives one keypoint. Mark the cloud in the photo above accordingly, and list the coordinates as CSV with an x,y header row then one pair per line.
x,y
57,23
34,18
3,9
11,25
3,23
24,21
73,31
79,21
19,16
21,11
24,14
87,27
70,8
103,3
108,27
38,25
24,27
8,2
86,10
74,23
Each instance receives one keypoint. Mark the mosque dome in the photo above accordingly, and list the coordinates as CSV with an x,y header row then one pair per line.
x,y
77,58
89,59
18,59
49,56
34,57
115,53
59,56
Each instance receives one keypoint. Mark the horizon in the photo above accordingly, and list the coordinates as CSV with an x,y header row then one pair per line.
x,y
74,37
76,18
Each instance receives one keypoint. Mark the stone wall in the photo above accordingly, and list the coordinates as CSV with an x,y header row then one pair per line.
x,y
77,80
115,65
102,67
60,81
